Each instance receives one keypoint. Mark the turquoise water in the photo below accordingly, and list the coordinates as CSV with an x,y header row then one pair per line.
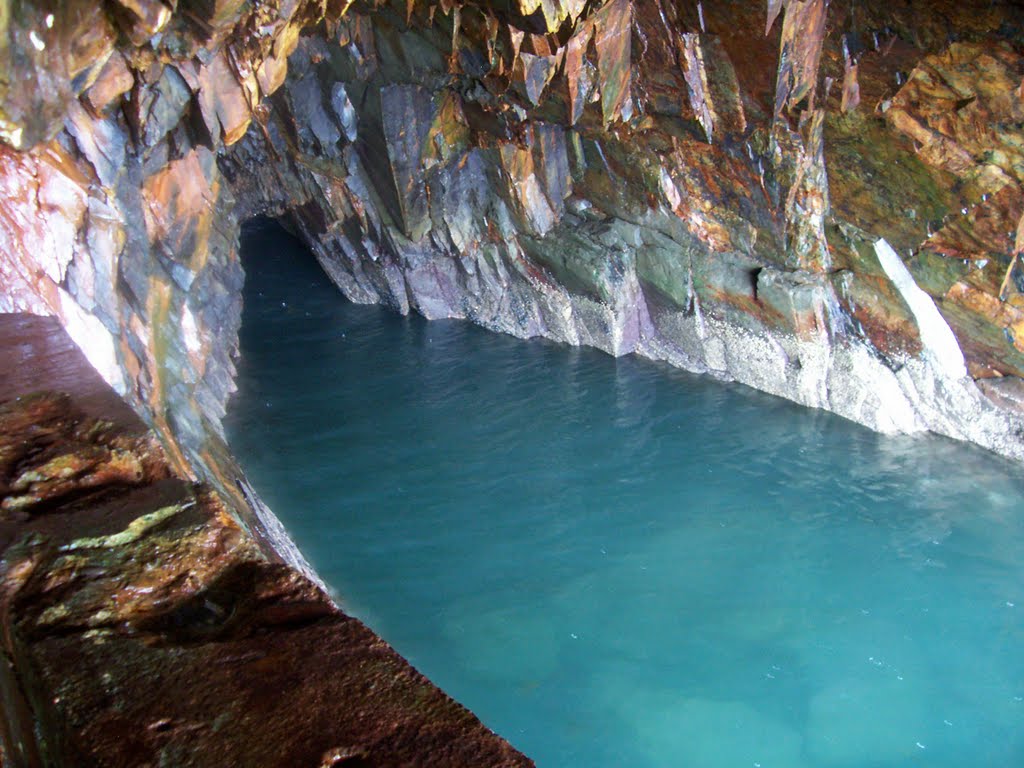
x,y
614,563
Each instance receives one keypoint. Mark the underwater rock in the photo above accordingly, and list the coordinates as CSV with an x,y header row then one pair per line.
x,y
719,733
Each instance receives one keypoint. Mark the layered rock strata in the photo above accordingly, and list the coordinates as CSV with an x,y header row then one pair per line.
x,y
140,624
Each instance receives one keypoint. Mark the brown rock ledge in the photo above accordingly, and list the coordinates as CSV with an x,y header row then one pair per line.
x,y
141,625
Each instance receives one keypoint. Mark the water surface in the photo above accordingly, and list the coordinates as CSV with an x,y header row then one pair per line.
x,y
614,563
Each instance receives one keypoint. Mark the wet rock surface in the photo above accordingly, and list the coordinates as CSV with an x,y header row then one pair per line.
x,y
140,624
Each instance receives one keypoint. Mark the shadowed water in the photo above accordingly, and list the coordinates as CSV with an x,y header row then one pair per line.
x,y
614,563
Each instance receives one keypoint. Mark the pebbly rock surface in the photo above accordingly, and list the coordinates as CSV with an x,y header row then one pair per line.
x,y
140,624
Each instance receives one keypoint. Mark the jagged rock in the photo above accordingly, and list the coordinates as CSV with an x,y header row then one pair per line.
x,y
554,12
551,156
960,106
406,116
309,100
851,85
222,101
807,203
580,74
346,113
585,117
100,142
537,72
141,19
612,39
959,109
879,313
113,81
803,35
157,107
803,302
524,192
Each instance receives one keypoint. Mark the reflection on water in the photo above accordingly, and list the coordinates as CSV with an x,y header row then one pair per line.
x,y
616,563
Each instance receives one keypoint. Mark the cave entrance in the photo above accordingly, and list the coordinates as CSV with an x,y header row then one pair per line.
x,y
616,563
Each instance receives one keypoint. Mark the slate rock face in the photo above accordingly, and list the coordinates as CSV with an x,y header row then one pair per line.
x,y
649,192
117,217
625,175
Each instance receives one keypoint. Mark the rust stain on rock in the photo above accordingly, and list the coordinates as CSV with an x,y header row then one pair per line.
x,y
613,40
803,35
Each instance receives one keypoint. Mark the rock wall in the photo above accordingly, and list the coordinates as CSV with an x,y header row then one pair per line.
x,y
679,182
704,185
116,217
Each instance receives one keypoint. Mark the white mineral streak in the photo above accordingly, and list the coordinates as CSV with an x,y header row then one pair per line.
x,y
940,345
669,189
193,343
95,341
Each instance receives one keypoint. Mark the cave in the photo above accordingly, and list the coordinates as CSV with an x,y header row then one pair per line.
x,y
820,201
662,568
